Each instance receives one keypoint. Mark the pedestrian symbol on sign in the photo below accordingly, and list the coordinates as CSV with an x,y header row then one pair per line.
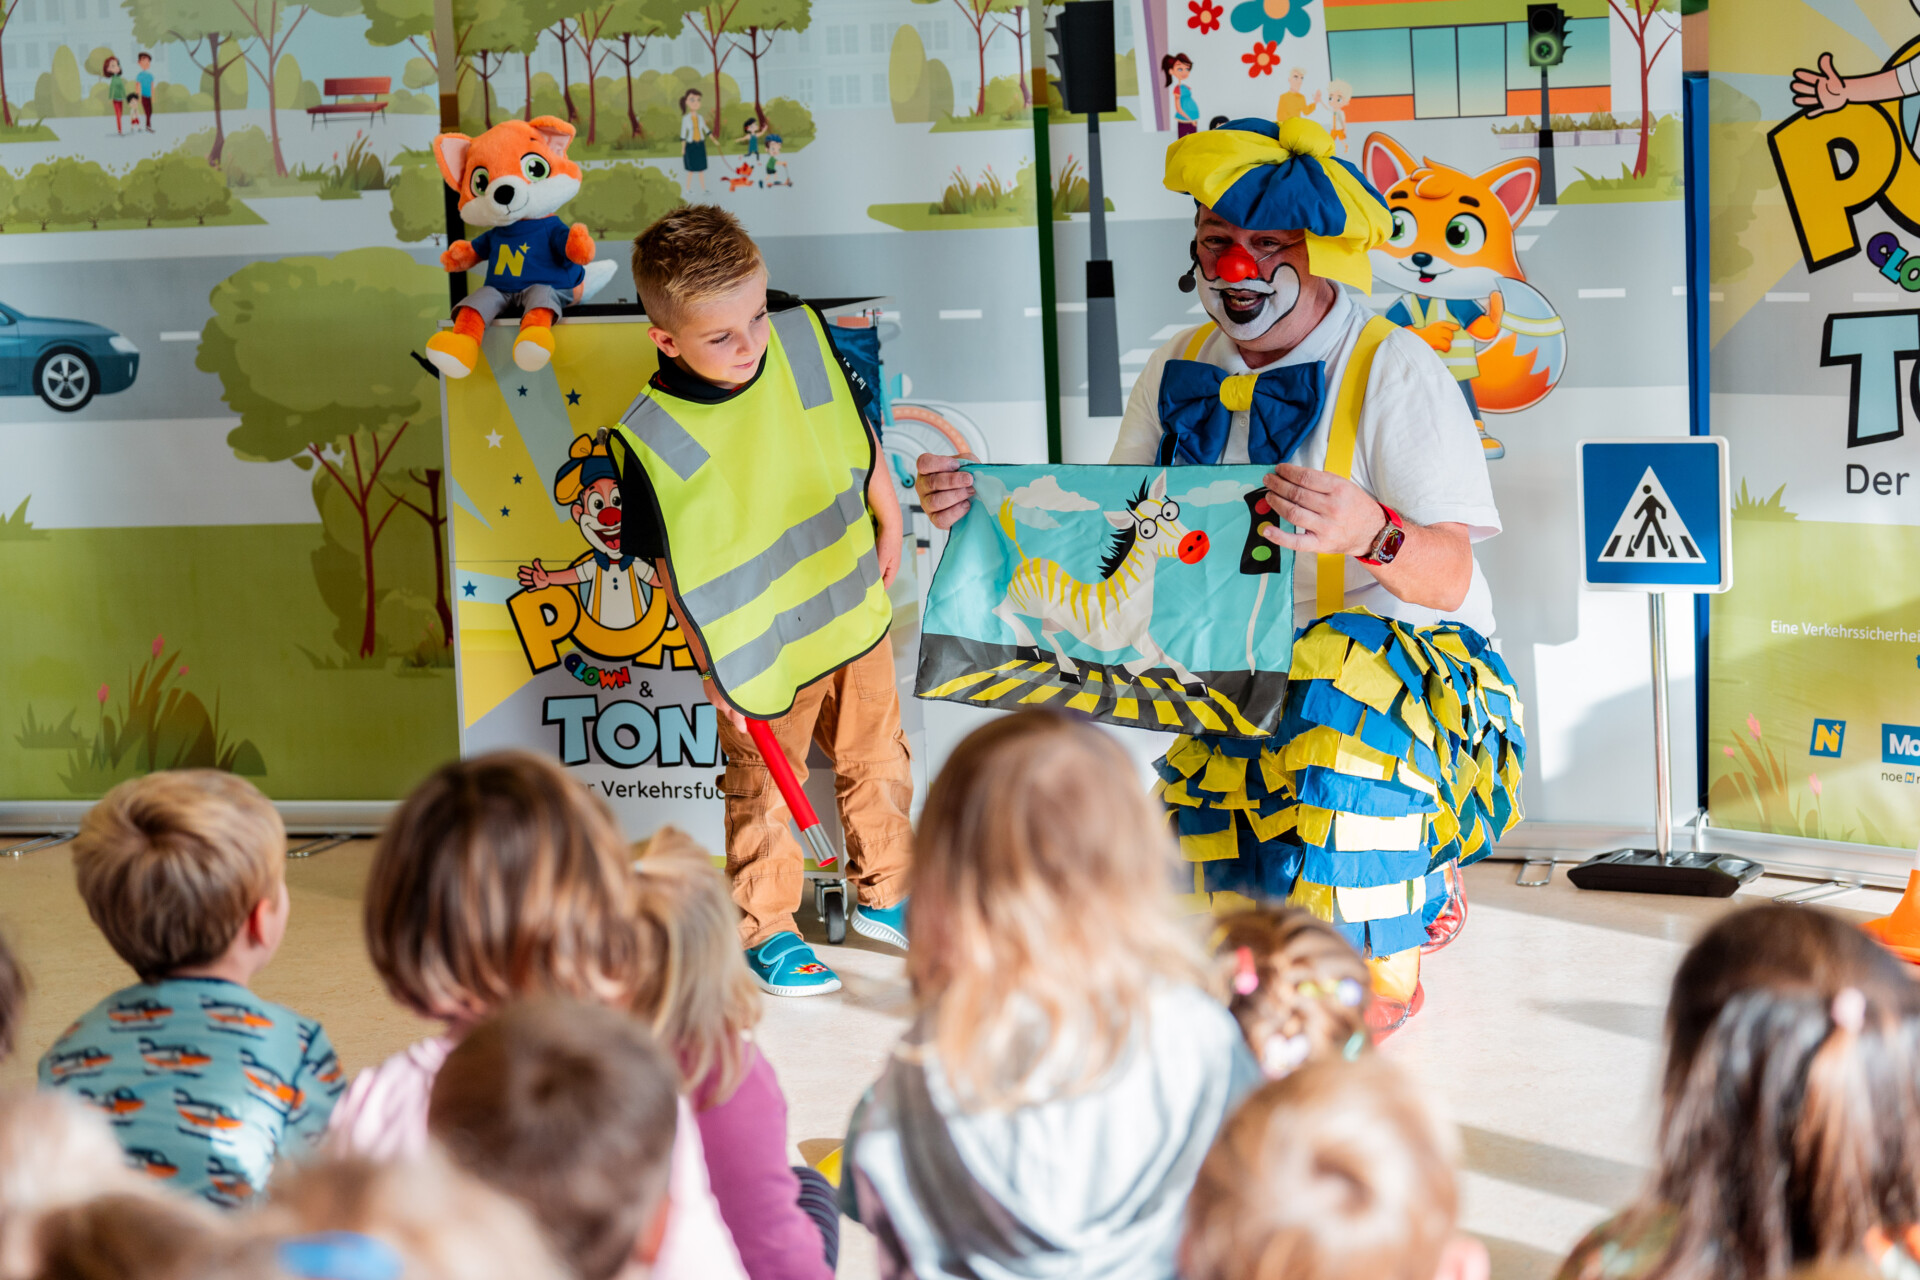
x,y
1650,529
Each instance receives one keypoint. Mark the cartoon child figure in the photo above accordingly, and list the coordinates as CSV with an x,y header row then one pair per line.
x,y
777,174
1293,103
116,88
1339,94
1175,68
693,141
145,81
750,134
609,583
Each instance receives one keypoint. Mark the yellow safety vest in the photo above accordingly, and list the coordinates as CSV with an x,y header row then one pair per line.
x,y
1462,356
763,504
1330,571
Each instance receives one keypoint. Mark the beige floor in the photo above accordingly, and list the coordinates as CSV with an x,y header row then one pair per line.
x,y
1541,1031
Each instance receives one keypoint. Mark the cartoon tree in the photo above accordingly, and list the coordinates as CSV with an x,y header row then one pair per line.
x,y
640,20
978,15
711,21
760,20
589,29
6,15
188,23
280,333
1638,15
263,20
1017,28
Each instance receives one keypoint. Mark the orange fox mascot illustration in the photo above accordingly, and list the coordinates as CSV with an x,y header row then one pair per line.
x,y
512,180
1451,256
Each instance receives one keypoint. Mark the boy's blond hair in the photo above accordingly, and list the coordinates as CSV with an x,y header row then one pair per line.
x,y
1039,931
170,866
701,1000
1336,1172
695,254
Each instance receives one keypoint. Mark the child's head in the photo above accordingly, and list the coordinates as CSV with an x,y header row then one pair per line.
x,y
129,1237
700,999
13,998
1337,1172
145,60
498,877
569,1108
1339,93
1791,1109
347,1219
1039,933
185,869
774,143
1298,988
704,287
54,1153
753,124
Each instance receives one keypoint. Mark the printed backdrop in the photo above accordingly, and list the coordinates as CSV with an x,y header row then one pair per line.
x,y
1815,693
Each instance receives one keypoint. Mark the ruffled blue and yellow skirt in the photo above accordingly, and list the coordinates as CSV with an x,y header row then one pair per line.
x,y
1400,756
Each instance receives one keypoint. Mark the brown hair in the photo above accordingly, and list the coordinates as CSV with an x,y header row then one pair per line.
x,y
570,1109
694,254
1336,1172
1790,1124
501,876
1168,62
13,998
54,1153
700,999
1296,986
127,1237
171,864
1039,928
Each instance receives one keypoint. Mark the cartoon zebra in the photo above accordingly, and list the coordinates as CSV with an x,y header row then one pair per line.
x,y
1115,612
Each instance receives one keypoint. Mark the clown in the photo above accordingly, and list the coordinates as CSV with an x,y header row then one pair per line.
x,y
1400,753
609,583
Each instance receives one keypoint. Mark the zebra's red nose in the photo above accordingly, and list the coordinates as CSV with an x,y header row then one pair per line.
x,y
1193,547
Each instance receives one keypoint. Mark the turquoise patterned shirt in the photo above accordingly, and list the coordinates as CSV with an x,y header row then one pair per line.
x,y
205,1083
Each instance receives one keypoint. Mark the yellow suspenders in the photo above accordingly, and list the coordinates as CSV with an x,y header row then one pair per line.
x,y
1331,570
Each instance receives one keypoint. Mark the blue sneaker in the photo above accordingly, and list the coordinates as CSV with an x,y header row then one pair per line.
x,y
883,924
784,965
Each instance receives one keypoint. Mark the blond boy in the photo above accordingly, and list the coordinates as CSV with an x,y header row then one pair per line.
x,y
751,474
205,1083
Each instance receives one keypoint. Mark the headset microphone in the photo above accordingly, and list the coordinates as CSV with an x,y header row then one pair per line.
x,y
1187,282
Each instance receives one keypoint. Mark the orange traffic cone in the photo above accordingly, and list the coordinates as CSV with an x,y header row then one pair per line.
x,y
1900,932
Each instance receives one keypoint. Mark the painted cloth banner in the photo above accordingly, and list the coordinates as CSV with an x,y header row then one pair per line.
x,y
1139,596
1814,702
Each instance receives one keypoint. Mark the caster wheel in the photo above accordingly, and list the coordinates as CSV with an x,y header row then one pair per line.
x,y
834,912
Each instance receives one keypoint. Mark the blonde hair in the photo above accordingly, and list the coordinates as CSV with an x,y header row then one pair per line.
x,y
1296,986
1041,925
171,864
501,876
443,1224
54,1153
695,254
700,1000
1336,1172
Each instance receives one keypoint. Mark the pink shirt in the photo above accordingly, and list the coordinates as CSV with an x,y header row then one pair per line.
x,y
745,1139
383,1115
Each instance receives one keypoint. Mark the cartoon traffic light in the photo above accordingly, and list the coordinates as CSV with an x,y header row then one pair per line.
x,y
1259,555
1546,35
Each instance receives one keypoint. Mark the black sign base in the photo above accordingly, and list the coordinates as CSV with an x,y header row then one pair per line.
x,y
1693,875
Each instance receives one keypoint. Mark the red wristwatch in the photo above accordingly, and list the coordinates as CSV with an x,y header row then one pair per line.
x,y
1386,543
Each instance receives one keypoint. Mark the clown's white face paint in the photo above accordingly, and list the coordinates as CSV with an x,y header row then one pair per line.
x,y
1246,310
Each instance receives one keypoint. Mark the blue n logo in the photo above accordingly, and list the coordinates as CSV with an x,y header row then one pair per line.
x,y
1828,737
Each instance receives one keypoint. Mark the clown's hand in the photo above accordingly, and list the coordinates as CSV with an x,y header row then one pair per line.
x,y
532,576
1818,92
943,488
1331,515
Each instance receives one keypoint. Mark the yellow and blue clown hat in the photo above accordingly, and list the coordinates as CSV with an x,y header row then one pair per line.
x,y
587,461
1268,177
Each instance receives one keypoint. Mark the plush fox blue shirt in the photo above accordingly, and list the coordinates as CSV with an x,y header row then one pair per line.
x,y
531,251
205,1083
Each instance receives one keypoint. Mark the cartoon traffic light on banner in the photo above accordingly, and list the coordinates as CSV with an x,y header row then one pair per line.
x,y
1259,555
1546,35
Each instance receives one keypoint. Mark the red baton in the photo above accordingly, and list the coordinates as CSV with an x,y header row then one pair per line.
x,y
797,804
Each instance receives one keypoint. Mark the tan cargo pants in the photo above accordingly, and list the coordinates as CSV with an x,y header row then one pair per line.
x,y
854,717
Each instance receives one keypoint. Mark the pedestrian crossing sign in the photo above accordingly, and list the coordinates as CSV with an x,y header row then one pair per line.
x,y
1654,514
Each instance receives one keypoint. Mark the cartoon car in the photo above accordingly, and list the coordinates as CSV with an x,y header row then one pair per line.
x,y
173,1057
64,362
204,1115
138,1013
229,1183
275,1087
155,1164
118,1105
78,1062
232,1015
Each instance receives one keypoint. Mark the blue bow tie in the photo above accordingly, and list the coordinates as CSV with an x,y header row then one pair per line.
x,y
608,562
1197,402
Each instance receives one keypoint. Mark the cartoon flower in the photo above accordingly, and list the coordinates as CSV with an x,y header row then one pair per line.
x,y
1813,780
102,695
1729,751
159,643
183,669
1262,60
1206,16
1753,726
1275,20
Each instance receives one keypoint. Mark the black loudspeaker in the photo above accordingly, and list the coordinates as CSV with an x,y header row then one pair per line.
x,y
1085,38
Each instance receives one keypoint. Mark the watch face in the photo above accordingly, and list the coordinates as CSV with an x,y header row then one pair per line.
x,y
1390,544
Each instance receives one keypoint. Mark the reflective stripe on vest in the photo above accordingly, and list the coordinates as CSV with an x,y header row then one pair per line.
x,y
762,498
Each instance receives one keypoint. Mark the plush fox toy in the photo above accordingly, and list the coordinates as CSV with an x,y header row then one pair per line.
x,y
1453,258
512,179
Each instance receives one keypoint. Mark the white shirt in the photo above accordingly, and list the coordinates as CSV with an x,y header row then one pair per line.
x,y
609,595
1416,449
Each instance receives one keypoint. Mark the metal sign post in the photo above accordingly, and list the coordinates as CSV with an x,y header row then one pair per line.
x,y
1655,517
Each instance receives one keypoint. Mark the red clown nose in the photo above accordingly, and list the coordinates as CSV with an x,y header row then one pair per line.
x,y
1235,265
